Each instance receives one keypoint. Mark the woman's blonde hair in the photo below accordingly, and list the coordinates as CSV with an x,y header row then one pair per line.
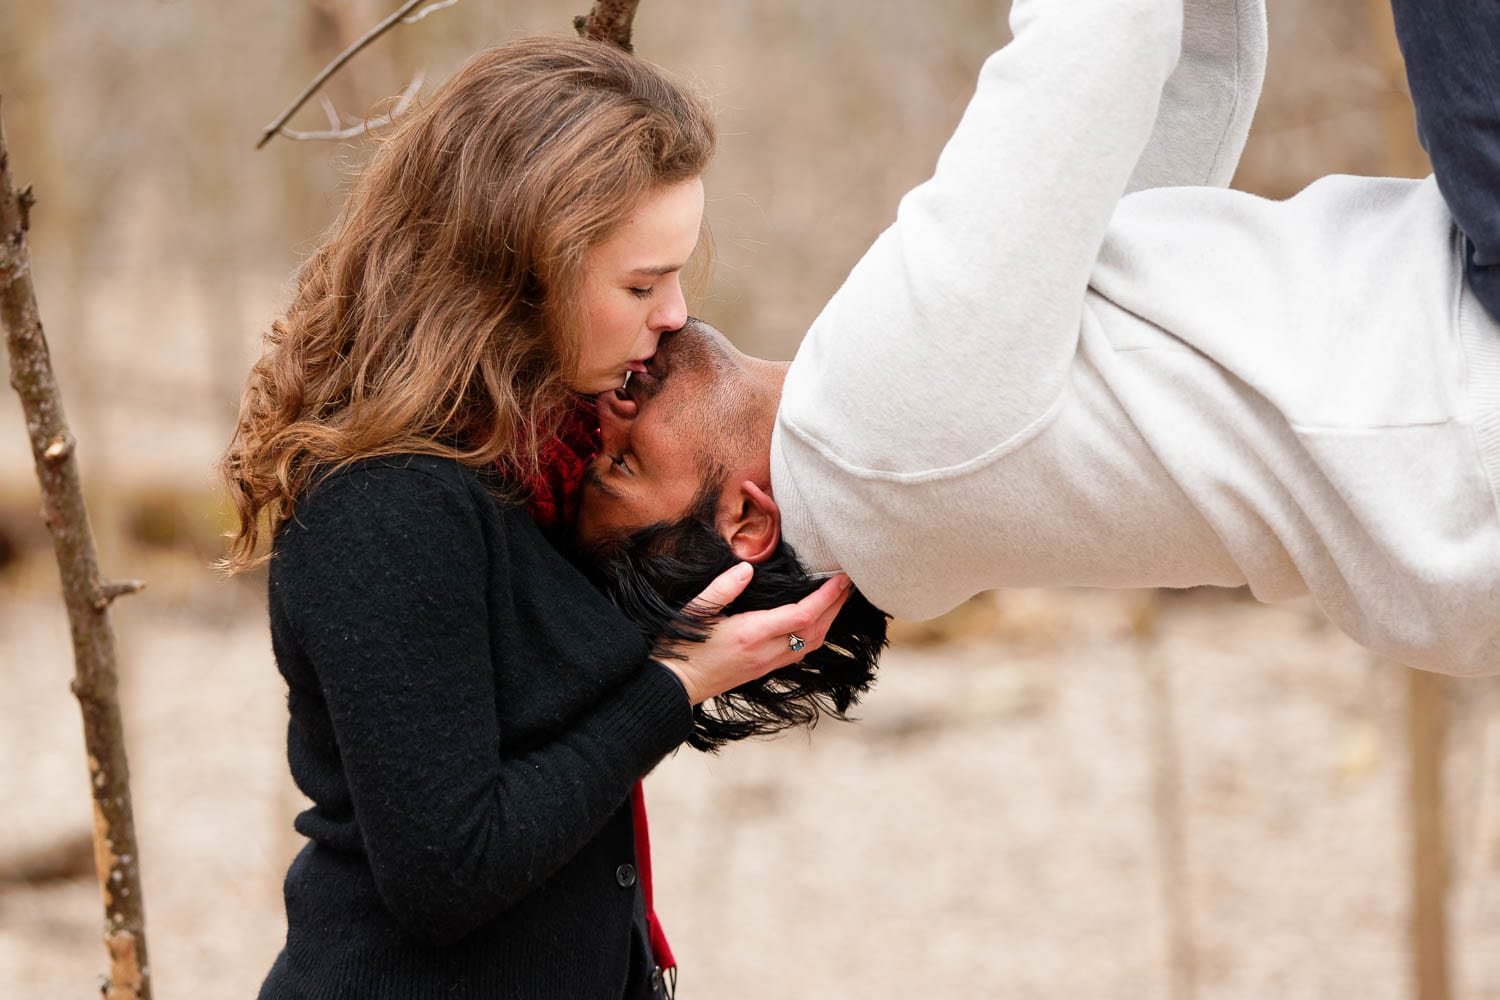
x,y
439,314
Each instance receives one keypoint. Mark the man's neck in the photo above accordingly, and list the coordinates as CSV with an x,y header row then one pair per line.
x,y
766,379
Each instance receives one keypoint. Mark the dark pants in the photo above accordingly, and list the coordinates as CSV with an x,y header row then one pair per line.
x,y
1452,52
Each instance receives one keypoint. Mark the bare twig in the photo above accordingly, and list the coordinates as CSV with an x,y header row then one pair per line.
x,y
111,590
334,124
95,683
336,128
398,16
609,21
430,9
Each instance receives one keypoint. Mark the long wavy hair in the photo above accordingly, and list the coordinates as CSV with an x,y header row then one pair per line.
x,y
439,315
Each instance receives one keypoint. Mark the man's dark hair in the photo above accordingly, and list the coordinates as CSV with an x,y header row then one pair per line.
x,y
653,574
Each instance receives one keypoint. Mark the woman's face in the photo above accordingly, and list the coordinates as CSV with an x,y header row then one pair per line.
x,y
632,292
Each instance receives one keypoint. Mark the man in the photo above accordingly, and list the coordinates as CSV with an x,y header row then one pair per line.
x,y
1063,365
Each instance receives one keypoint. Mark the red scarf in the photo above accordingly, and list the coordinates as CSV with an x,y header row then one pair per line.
x,y
554,504
554,494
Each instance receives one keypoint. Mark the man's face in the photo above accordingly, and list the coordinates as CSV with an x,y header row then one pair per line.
x,y
651,467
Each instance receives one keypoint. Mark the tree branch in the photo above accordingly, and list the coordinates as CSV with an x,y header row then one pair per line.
x,y
94,679
402,15
335,131
111,590
610,21
429,9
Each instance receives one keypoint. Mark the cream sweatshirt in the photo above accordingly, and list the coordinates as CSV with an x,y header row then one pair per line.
x,y
1035,379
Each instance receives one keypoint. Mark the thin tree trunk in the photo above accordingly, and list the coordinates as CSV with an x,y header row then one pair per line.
x,y
86,595
1427,726
1167,810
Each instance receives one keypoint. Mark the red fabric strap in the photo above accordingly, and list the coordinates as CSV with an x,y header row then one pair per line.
x,y
660,950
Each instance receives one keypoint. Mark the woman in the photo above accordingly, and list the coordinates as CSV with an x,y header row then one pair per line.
x,y
468,715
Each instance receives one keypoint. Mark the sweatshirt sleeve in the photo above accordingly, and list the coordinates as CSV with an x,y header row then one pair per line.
x,y
952,337
1210,99
383,578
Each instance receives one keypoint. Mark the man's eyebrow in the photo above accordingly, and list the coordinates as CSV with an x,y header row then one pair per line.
x,y
657,270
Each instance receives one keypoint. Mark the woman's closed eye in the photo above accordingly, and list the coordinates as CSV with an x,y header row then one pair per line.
x,y
642,293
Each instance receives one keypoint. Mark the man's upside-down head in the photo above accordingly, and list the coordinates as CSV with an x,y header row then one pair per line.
x,y
679,493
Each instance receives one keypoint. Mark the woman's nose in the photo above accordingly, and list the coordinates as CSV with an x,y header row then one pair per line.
x,y
672,312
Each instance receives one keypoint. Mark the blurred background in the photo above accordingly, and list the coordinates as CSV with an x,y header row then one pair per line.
x,y
1050,794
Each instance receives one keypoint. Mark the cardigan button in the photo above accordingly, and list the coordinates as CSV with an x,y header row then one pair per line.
x,y
625,875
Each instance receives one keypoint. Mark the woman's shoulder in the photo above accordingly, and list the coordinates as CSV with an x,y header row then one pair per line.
x,y
384,477
423,491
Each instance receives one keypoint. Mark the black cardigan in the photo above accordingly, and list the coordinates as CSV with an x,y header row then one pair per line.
x,y
468,716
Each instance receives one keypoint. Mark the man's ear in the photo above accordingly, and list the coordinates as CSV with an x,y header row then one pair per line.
x,y
750,522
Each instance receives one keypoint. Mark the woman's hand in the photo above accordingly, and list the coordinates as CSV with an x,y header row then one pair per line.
x,y
747,646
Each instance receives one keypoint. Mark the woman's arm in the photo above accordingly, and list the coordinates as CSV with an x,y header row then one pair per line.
x,y
952,337
383,579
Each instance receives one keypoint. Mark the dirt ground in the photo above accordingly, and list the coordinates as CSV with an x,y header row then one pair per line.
x,y
998,824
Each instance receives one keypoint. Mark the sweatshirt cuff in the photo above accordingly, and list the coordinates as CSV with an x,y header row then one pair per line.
x,y
651,713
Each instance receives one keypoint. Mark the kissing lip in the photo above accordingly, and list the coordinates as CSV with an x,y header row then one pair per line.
x,y
639,387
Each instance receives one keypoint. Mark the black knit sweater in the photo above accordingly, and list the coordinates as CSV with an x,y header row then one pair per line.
x,y
468,716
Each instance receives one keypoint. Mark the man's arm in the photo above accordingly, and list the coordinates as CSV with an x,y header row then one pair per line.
x,y
1210,99
951,339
